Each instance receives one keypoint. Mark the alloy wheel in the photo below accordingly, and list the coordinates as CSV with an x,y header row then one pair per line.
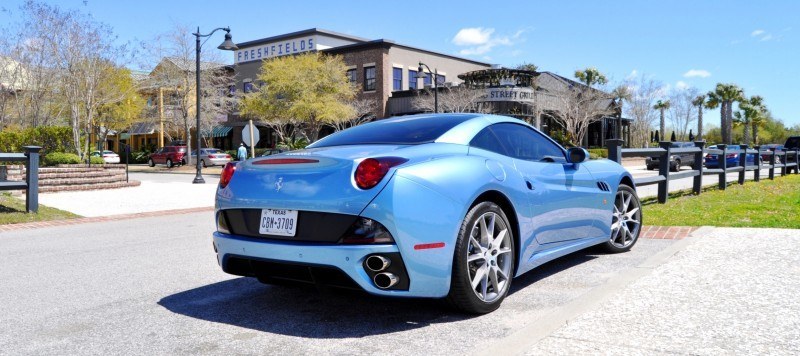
x,y
489,258
626,220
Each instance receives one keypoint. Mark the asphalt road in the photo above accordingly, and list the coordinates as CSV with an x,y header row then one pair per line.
x,y
152,286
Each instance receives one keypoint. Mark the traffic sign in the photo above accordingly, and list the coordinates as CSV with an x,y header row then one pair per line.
x,y
250,141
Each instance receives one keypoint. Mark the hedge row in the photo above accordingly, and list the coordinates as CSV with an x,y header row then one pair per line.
x,y
51,138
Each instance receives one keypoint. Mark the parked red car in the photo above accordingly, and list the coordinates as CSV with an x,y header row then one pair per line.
x,y
169,155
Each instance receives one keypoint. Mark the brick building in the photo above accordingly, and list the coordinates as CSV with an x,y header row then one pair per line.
x,y
378,67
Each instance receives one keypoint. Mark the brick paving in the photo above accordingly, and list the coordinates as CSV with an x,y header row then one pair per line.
x,y
51,223
666,232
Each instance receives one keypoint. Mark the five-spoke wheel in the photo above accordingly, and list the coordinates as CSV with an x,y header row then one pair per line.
x,y
484,261
626,221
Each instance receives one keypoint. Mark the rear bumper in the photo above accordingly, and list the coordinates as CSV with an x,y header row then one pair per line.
x,y
217,161
338,265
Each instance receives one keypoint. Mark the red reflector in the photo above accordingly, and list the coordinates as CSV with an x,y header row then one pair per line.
x,y
212,156
286,161
429,246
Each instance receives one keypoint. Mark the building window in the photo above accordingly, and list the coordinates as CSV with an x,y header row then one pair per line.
x,y
351,75
426,80
397,78
439,79
412,79
248,87
369,78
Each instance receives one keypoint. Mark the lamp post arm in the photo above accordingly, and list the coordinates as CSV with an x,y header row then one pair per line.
x,y
434,73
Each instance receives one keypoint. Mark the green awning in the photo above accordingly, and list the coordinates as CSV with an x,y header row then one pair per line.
x,y
218,131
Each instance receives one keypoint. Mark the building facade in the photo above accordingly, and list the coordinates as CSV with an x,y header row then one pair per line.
x,y
377,67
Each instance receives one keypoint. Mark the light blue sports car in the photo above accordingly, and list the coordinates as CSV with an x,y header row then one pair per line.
x,y
440,205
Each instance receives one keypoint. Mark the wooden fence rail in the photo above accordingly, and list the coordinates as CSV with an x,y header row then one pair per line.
x,y
31,183
783,161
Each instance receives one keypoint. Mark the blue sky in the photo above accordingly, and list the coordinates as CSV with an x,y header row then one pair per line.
x,y
680,43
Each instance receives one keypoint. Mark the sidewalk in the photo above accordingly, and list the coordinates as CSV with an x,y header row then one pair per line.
x,y
158,192
730,291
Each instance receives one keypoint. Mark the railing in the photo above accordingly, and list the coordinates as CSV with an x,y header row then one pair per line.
x,y
31,183
784,161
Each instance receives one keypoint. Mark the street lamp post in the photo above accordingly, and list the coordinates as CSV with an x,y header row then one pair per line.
x,y
435,74
227,45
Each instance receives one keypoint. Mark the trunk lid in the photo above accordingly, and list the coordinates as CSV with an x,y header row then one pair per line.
x,y
318,179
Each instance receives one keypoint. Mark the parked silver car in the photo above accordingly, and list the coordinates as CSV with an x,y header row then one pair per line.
x,y
212,157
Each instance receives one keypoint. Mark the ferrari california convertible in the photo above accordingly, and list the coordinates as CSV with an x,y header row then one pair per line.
x,y
449,206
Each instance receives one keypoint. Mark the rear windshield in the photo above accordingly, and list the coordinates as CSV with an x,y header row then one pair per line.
x,y
213,151
792,142
411,130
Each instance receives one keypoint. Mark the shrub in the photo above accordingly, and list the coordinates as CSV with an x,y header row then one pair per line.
x,y
595,153
97,160
51,138
55,158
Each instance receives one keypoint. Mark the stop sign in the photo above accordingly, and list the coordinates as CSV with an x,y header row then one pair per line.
x,y
250,141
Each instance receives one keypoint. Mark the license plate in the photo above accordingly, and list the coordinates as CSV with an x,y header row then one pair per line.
x,y
278,222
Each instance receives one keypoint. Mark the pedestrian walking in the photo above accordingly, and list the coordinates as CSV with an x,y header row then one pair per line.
x,y
241,154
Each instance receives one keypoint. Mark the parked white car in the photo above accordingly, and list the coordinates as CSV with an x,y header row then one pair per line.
x,y
108,156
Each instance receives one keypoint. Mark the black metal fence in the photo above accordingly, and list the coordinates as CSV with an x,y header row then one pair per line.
x,y
783,161
31,183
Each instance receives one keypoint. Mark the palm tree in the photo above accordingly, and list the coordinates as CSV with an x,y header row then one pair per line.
x,y
620,94
754,110
699,102
661,106
723,96
590,76
740,118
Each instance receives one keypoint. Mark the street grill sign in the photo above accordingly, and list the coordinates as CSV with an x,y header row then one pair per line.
x,y
509,94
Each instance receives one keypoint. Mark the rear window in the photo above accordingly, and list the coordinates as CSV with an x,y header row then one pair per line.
x,y
792,142
412,130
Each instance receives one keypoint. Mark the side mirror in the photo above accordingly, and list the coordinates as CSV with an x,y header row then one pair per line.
x,y
577,155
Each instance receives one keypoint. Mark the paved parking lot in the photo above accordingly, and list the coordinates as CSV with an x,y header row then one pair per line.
x,y
152,286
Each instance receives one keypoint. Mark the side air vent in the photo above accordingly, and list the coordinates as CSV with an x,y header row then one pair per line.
x,y
603,186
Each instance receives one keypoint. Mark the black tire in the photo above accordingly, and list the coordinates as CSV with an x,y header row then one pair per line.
x,y
169,163
629,223
202,161
498,258
676,165
151,163
650,168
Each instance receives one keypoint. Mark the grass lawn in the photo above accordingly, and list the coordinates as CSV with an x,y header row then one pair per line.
x,y
763,204
12,211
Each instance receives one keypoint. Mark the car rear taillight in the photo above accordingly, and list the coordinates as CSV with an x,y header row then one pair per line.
x,y
709,156
731,155
371,170
212,156
227,174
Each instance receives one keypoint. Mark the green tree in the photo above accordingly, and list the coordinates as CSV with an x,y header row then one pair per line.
x,y
700,102
661,106
119,114
723,97
754,110
307,90
527,66
591,76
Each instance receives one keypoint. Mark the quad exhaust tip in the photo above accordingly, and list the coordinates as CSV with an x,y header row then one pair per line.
x,y
385,280
377,263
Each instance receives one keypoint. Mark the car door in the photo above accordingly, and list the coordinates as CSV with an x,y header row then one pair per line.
x,y
564,198
158,155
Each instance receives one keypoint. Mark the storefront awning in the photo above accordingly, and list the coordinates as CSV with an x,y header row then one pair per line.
x,y
218,131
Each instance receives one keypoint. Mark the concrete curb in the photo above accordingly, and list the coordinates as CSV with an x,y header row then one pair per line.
x,y
56,223
520,341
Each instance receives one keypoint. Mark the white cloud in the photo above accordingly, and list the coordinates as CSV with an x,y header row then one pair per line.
x,y
633,75
681,85
692,73
473,36
481,40
761,35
